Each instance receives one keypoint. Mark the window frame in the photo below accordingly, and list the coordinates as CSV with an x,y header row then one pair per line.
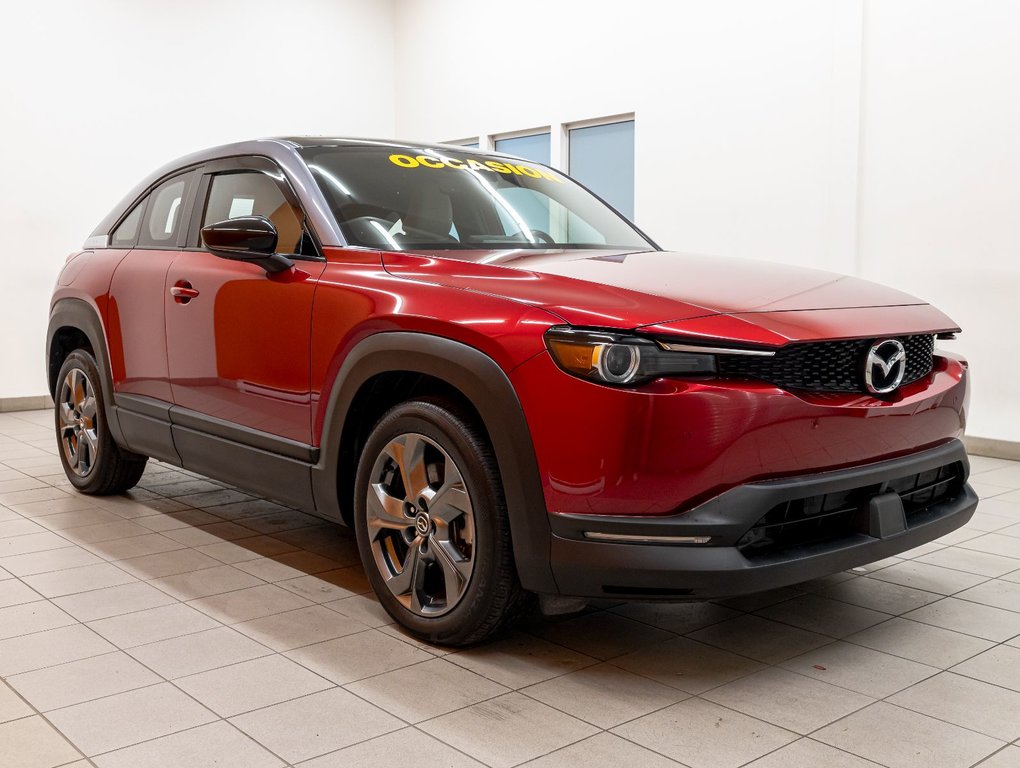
x,y
542,131
139,206
595,123
249,164
559,143
144,199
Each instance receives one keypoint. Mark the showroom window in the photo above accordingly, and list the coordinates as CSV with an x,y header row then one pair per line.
x,y
602,158
251,193
163,215
599,153
536,147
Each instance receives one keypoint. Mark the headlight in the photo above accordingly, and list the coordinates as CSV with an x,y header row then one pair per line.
x,y
615,358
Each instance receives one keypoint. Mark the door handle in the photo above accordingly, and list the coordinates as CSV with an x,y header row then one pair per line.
x,y
183,292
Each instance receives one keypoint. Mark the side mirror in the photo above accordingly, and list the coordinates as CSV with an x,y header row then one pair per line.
x,y
246,238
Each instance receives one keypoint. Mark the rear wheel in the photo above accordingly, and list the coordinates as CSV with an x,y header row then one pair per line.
x,y
92,461
432,526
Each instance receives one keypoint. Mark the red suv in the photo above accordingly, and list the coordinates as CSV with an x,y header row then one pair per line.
x,y
499,382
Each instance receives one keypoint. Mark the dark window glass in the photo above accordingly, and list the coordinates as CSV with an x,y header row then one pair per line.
x,y
400,200
252,193
163,216
124,235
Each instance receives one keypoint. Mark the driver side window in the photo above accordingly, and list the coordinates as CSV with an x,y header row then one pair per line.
x,y
253,193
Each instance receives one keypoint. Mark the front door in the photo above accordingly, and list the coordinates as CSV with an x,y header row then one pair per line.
x,y
238,337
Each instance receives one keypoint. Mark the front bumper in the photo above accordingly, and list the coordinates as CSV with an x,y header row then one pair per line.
x,y
881,524
669,445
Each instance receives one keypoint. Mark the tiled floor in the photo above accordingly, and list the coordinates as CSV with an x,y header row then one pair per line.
x,y
188,624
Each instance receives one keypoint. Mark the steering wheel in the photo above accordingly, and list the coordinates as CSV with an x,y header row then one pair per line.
x,y
545,237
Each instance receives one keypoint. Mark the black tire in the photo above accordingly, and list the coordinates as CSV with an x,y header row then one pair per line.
x,y
92,461
491,596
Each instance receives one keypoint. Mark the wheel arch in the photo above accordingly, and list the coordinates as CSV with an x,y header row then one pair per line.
x,y
72,322
437,365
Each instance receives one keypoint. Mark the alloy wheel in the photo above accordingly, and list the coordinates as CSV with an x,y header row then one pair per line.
x,y
421,524
79,422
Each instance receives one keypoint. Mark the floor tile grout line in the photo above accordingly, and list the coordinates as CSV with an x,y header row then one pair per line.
x,y
334,686
686,697
958,596
686,636
71,661
87,622
998,751
164,681
454,748
768,666
898,656
957,674
912,711
217,719
811,734
45,719
816,741
711,703
949,670
416,725
938,596
937,626
511,691
891,616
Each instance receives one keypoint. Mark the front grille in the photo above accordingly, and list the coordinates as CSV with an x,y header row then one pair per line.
x,y
826,366
831,516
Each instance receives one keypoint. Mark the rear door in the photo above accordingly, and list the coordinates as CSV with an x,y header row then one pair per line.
x,y
237,337
155,230
135,317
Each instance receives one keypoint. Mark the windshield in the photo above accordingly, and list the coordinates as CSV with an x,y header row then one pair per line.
x,y
397,199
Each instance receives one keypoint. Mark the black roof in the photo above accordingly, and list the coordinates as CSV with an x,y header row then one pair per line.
x,y
348,141
282,149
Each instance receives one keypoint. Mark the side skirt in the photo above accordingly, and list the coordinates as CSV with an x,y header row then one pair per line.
x,y
257,461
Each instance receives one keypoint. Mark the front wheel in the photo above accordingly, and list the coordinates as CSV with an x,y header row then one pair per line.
x,y
432,526
92,461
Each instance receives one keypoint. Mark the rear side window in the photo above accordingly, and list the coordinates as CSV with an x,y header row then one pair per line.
x,y
163,216
252,193
124,235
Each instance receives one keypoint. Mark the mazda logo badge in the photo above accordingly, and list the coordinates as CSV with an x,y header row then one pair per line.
x,y
885,366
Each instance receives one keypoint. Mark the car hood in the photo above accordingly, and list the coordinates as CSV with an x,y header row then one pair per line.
x,y
625,289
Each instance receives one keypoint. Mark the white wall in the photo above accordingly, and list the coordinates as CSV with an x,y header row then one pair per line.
x,y
94,96
940,193
876,137
735,103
